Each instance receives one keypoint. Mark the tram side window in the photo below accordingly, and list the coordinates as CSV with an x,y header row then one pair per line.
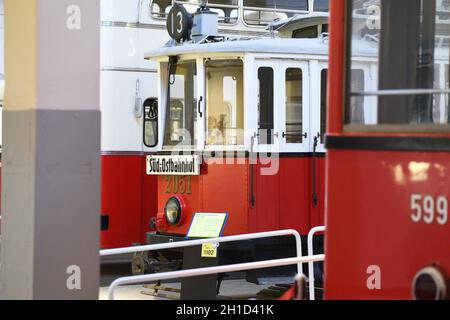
x,y
323,103
294,112
356,111
151,122
262,12
180,110
224,102
322,5
159,9
409,94
265,105
446,112
227,9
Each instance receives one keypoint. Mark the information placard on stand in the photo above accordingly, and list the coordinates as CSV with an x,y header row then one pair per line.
x,y
203,225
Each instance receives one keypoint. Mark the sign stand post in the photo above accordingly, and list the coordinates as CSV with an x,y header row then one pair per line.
x,y
201,287
203,225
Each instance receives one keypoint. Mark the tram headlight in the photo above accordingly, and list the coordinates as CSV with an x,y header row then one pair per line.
x,y
429,284
172,211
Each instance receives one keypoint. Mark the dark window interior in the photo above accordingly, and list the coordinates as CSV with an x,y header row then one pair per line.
x,y
278,4
265,105
321,5
308,32
323,103
406,59
151,122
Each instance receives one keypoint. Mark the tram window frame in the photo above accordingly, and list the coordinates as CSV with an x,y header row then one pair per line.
x,y
172,67
408,126
152,120
237,110
192,7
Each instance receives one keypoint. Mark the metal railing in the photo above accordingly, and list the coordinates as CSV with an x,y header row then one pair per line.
x,y
188,243
400,92
211,270
311,263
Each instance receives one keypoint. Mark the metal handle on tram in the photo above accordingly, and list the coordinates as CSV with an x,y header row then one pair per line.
x,y
304,135
315,197
199,106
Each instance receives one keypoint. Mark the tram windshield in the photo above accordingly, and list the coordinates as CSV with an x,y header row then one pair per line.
x,y
224,102
180,121
399,79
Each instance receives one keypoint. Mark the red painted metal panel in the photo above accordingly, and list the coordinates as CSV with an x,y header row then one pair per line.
x,y
295,191
282,200
336,66
267,196
149,200
122,191
369,221
225,189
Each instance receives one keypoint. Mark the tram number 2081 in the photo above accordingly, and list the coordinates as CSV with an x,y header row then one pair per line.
x,y
429,209
178,184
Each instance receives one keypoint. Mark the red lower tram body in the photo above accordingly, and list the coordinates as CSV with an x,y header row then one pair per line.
x,y
128,200
254,202
371,222
387,181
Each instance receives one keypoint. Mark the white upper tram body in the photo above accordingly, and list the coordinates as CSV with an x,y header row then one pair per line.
x,y
296,116
131,27
290,62
129,91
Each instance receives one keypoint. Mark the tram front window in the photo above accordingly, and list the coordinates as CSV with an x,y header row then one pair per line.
x,y
181,107
408,62
224,102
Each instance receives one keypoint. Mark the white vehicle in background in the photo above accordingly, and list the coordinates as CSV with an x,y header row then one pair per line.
x,y
2,88
129,94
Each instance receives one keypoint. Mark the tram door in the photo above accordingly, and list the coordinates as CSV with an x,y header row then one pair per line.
x,y
318,114
283,174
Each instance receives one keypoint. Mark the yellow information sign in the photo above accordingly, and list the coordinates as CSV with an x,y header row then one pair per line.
x,y
207,225
209,250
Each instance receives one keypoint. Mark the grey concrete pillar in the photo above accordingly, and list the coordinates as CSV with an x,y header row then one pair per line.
x,y
51,150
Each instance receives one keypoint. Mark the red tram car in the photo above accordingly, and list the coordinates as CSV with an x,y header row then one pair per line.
x,y
388,175
251,115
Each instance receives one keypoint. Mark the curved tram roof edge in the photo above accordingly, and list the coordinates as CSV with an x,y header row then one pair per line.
x,y
277,45
310,46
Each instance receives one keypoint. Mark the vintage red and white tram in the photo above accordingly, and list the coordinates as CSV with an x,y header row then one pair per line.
x,y
388,160
129,91
252,112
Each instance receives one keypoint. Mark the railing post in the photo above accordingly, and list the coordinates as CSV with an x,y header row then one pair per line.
x,y
311,263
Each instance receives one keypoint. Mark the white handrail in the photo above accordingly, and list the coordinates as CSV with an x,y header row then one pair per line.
x,y
188,243
311,263
210,270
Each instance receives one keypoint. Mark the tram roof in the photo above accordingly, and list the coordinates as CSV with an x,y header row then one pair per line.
x,y
316,46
